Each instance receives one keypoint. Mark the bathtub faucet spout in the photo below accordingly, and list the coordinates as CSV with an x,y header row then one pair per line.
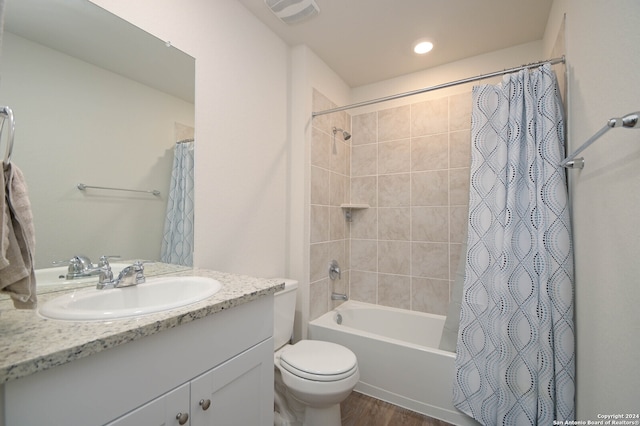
x,y
338,296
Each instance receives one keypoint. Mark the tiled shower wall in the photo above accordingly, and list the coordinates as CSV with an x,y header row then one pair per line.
x,y
330,171
410,164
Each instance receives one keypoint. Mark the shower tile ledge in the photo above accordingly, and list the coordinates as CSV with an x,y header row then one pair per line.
x,y
30,343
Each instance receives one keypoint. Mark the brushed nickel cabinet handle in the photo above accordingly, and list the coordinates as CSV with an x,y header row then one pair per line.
x,y
205,404
182,418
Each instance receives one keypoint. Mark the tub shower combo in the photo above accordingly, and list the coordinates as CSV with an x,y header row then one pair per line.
x,y
514,361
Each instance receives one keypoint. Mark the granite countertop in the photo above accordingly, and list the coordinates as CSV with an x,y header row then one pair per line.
x,y
30,343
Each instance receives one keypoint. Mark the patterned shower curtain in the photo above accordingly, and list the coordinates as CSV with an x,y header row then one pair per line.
x,y
177,242
515,353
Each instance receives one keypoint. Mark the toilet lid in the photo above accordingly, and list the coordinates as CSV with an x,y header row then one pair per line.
x,y
320,361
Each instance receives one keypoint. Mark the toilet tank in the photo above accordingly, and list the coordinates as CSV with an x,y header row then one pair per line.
x,y
283,313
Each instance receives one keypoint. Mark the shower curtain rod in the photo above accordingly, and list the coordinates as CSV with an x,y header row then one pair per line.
x,y
185,141
439,86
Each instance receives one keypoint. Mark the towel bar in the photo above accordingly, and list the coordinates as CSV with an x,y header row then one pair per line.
x,y
82,187
6,112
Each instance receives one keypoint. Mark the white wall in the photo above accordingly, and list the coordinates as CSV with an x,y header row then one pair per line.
x,y
79,123
603,57
242,79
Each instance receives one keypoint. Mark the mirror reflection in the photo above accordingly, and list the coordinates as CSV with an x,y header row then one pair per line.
x,y
100,102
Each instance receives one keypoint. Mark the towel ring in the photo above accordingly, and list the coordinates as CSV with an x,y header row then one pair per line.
x,y
6,112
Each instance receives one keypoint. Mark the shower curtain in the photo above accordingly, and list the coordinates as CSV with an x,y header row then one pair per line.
x,y
177,242
515,352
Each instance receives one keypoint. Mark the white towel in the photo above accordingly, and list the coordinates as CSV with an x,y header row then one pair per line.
x,y
17,240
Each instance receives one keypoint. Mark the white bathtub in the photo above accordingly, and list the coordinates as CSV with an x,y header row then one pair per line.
x,y
397,356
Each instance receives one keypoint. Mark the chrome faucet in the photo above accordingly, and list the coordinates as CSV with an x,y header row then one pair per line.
x,y
81,267
129,276
339,296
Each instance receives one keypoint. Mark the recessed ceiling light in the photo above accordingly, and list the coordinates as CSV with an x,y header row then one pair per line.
x,y
421,47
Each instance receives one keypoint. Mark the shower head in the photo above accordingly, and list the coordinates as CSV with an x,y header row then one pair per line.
x,y
630,121
345,135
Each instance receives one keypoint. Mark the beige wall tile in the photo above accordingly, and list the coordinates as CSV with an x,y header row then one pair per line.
x,y
458,219
338,189
394,257
460,148
340,285
460,112
364,286
364,160
337,224
430,224
394,190
364,255
393,123
365,190
337,252
394,157
455,254
364,224
428,295
394,291
319,223
430,260
411,165
459,186
430,188
348,157
338,155
318,299
394,223
430,117
320,186
365,129
430,152
319,259
320,148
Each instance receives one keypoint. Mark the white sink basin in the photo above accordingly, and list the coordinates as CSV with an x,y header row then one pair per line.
x,y
57,276
156,295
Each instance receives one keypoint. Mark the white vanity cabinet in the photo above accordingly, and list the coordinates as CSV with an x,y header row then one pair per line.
x,y
226,358
238,392
165,410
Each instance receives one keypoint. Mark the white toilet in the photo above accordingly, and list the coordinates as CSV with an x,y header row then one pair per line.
x,y
312,377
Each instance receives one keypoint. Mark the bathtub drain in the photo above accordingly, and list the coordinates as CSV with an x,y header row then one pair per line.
x,y
339,318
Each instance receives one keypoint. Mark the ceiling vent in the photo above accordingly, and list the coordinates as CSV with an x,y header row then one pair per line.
x,y
293,11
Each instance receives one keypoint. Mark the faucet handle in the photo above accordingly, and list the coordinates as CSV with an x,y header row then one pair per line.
x,y
106,274
138,266
334,270
78,261
104,260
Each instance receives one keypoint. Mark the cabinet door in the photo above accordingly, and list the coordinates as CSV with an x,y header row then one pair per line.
x,y
238,392
162,411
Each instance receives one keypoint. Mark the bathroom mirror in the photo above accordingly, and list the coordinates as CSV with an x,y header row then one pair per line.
x,y
97,101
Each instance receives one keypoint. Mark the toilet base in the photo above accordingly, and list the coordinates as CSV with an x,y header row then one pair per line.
x,y
291,412
327,416
288,412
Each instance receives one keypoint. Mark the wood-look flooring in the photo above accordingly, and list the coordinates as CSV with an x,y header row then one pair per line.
x,y
362,410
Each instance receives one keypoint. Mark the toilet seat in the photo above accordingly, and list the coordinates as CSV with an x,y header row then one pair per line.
x,y
319,361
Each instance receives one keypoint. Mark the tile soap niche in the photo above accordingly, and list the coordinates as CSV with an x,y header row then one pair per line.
x,y
348,209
